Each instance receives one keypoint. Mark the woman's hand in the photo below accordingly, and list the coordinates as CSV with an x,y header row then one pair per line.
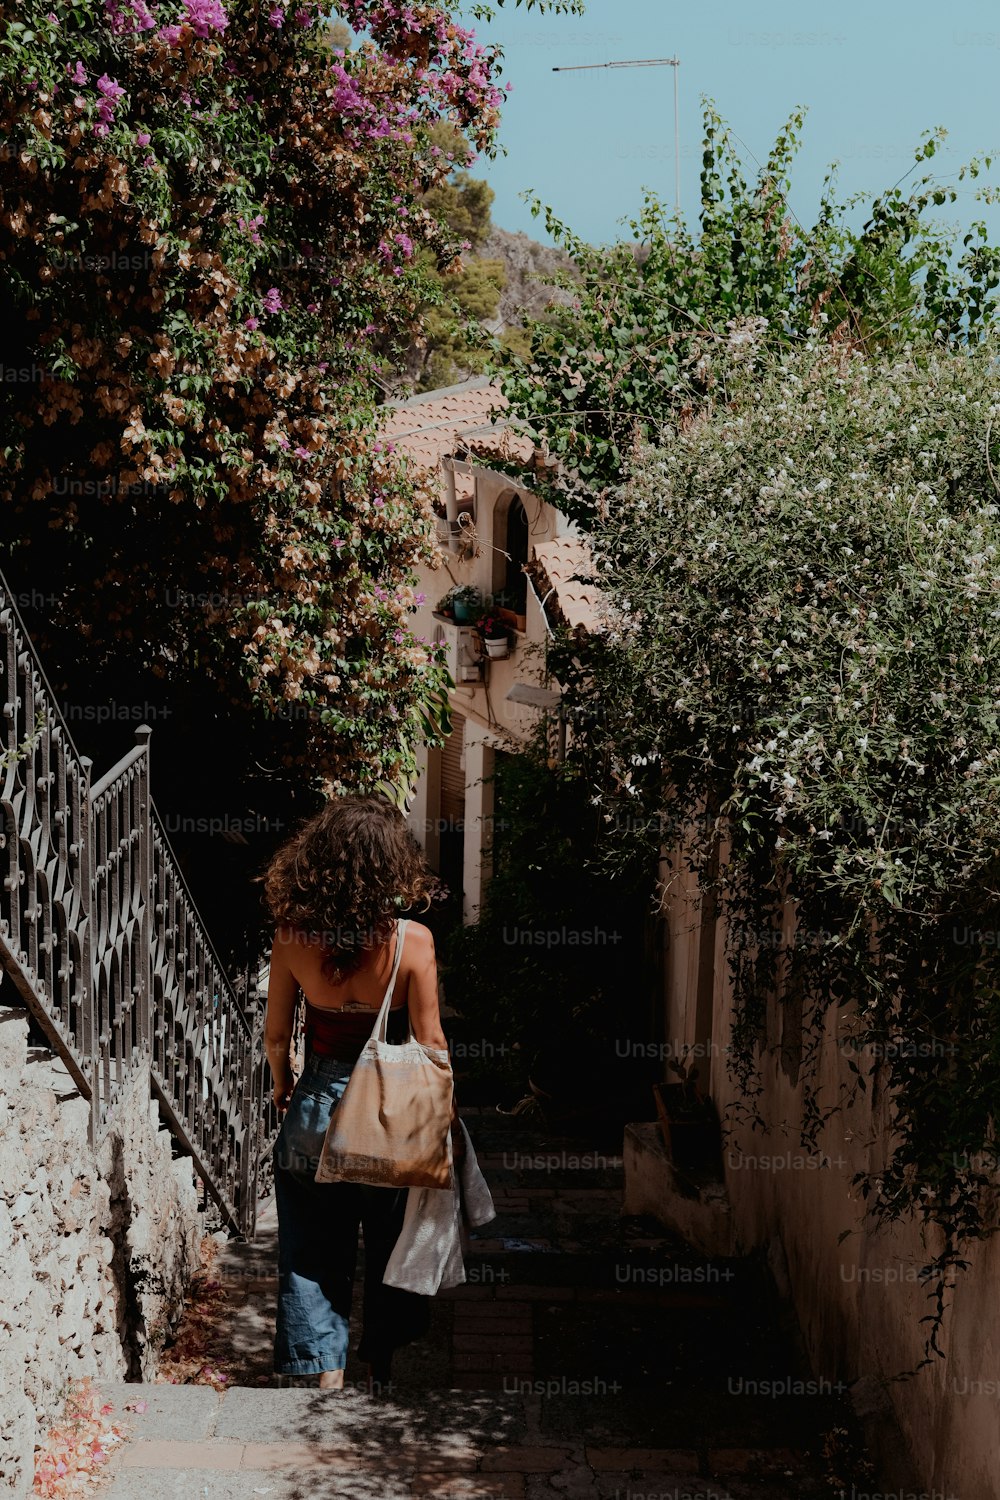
x,y
282,1094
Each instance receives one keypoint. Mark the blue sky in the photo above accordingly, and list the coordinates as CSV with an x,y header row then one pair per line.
x,y
873,74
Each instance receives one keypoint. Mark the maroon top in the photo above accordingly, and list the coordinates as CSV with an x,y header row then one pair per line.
x,y
341,1033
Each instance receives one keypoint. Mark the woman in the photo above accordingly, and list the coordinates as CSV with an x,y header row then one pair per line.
x,y
335,890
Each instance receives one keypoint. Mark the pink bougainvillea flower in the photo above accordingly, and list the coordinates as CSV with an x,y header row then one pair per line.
x,y
127,16
251,323
205,16
301,452
272,301
109,89
251,226
170,34
77,73
142,139
276,17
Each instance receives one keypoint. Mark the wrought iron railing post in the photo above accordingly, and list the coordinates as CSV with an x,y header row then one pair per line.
x,y
144,999
251,1128
87,1041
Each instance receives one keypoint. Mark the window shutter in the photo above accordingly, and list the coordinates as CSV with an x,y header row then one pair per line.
x,y
453,773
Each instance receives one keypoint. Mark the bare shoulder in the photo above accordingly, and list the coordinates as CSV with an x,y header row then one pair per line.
x,y
285,941
419,941
294,948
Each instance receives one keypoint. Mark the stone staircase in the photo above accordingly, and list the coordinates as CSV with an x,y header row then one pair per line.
x,y
589,1355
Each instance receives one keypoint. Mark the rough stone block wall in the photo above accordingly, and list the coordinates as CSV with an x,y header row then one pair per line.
x,y
96,1247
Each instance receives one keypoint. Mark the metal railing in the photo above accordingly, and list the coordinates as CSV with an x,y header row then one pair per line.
x,y
103,941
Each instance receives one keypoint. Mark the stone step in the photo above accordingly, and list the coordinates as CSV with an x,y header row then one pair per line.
x,y
590,1354
191,1441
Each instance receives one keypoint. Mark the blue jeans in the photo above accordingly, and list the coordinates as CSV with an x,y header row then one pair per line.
x,y
318,1243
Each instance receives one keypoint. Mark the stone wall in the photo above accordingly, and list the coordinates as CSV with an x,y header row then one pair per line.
x,y
96,1248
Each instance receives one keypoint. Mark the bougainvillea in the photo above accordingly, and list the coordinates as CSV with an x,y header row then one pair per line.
x,y
70,1457
199,1352
202,237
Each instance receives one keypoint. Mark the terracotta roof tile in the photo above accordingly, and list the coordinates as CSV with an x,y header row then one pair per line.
x,y
554,565
455,419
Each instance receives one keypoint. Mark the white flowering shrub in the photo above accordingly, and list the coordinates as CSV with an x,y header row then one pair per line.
x,y
807,644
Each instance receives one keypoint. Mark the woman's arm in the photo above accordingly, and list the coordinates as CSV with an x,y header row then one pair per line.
x,y
422,991
282,993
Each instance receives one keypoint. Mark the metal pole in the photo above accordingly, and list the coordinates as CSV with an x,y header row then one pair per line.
x,y
647,62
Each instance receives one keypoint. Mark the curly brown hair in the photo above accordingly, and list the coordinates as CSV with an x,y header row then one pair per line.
x,y
345,877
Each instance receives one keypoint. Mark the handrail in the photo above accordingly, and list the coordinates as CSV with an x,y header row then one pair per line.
x,y
102,938
9,604
181,878
135,754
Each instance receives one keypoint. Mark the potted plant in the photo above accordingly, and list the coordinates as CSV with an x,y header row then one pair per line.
x,y
446,606
688,1121
467,601
493,633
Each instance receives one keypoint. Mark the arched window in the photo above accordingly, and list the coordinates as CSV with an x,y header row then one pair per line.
x,y
510,583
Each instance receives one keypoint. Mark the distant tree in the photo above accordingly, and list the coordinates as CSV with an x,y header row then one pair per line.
x,y
622,358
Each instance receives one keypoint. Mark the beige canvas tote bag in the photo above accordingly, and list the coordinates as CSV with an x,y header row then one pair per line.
x,y
392,1127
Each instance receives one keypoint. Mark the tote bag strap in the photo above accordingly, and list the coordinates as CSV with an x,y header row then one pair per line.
x,y
382,1023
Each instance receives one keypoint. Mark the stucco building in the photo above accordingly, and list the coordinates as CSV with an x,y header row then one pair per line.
x,y
522,556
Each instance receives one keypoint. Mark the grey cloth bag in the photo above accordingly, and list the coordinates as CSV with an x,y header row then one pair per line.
x,y
427,1256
